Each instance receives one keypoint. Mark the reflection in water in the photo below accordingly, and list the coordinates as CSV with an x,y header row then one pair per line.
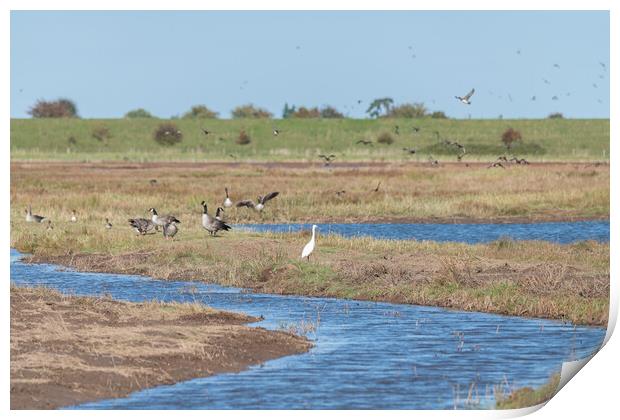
x,y
366,354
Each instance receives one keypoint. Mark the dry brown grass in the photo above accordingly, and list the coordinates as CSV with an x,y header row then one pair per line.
x,y
308,193
67,349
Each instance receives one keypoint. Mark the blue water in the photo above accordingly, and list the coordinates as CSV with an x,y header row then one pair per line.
x,y
366,355
561,232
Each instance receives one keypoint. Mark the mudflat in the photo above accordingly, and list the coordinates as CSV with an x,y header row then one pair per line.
x,y
67,350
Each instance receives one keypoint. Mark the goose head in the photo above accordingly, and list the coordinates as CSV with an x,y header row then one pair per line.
x,y
153,211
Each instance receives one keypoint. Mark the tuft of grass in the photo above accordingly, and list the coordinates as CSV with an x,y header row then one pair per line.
x,y
527,396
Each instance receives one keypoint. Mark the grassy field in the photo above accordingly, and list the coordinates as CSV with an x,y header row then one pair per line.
x,y
408,192
303,140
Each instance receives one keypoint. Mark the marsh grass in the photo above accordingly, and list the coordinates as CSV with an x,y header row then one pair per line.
x,y
308,194
526,278
510,398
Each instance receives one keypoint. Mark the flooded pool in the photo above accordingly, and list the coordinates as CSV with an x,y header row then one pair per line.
x,y
561,232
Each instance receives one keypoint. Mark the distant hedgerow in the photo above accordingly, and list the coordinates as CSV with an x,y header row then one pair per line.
x,y
200,111
139,113
60,108
250,111
416,110
167,134
438,114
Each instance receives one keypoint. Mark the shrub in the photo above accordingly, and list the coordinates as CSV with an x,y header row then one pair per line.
x,y
385,138
250,111
101,133
556,115
243,138
416,110
304,112
167,134
510,136
439,114
200,111
331,112
60,108
138,113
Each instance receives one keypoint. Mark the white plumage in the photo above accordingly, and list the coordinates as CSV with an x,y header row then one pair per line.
x,y
305,253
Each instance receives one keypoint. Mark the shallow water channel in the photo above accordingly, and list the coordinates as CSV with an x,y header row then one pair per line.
x,y
561,232
366,355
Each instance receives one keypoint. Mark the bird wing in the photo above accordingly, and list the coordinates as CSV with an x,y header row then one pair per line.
x,y
246,203
323,156
269,196
469,95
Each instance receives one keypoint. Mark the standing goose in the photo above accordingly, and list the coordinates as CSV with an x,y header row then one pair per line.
x,y
465,99
161,220
261,201
108,225
227,202
212,225
170,229
141,225
305,253
218,214
33,217
73,216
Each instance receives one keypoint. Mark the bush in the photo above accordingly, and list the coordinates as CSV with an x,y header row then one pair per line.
x,y
167,134
510,136
304,112
138,113
417,110
331,112
556,115
385,138
200,111
243,138
101,133
61,108
250,111
439,114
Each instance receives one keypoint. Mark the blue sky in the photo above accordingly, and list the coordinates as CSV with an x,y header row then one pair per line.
x,y
165,62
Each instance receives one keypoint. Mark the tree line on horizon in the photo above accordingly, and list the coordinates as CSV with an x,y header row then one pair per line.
x,y
378,108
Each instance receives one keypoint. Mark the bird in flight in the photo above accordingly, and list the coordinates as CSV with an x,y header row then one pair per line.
x,y
364,142
546,82
556,65
206,132
409,150
465,99
276,132
328,159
